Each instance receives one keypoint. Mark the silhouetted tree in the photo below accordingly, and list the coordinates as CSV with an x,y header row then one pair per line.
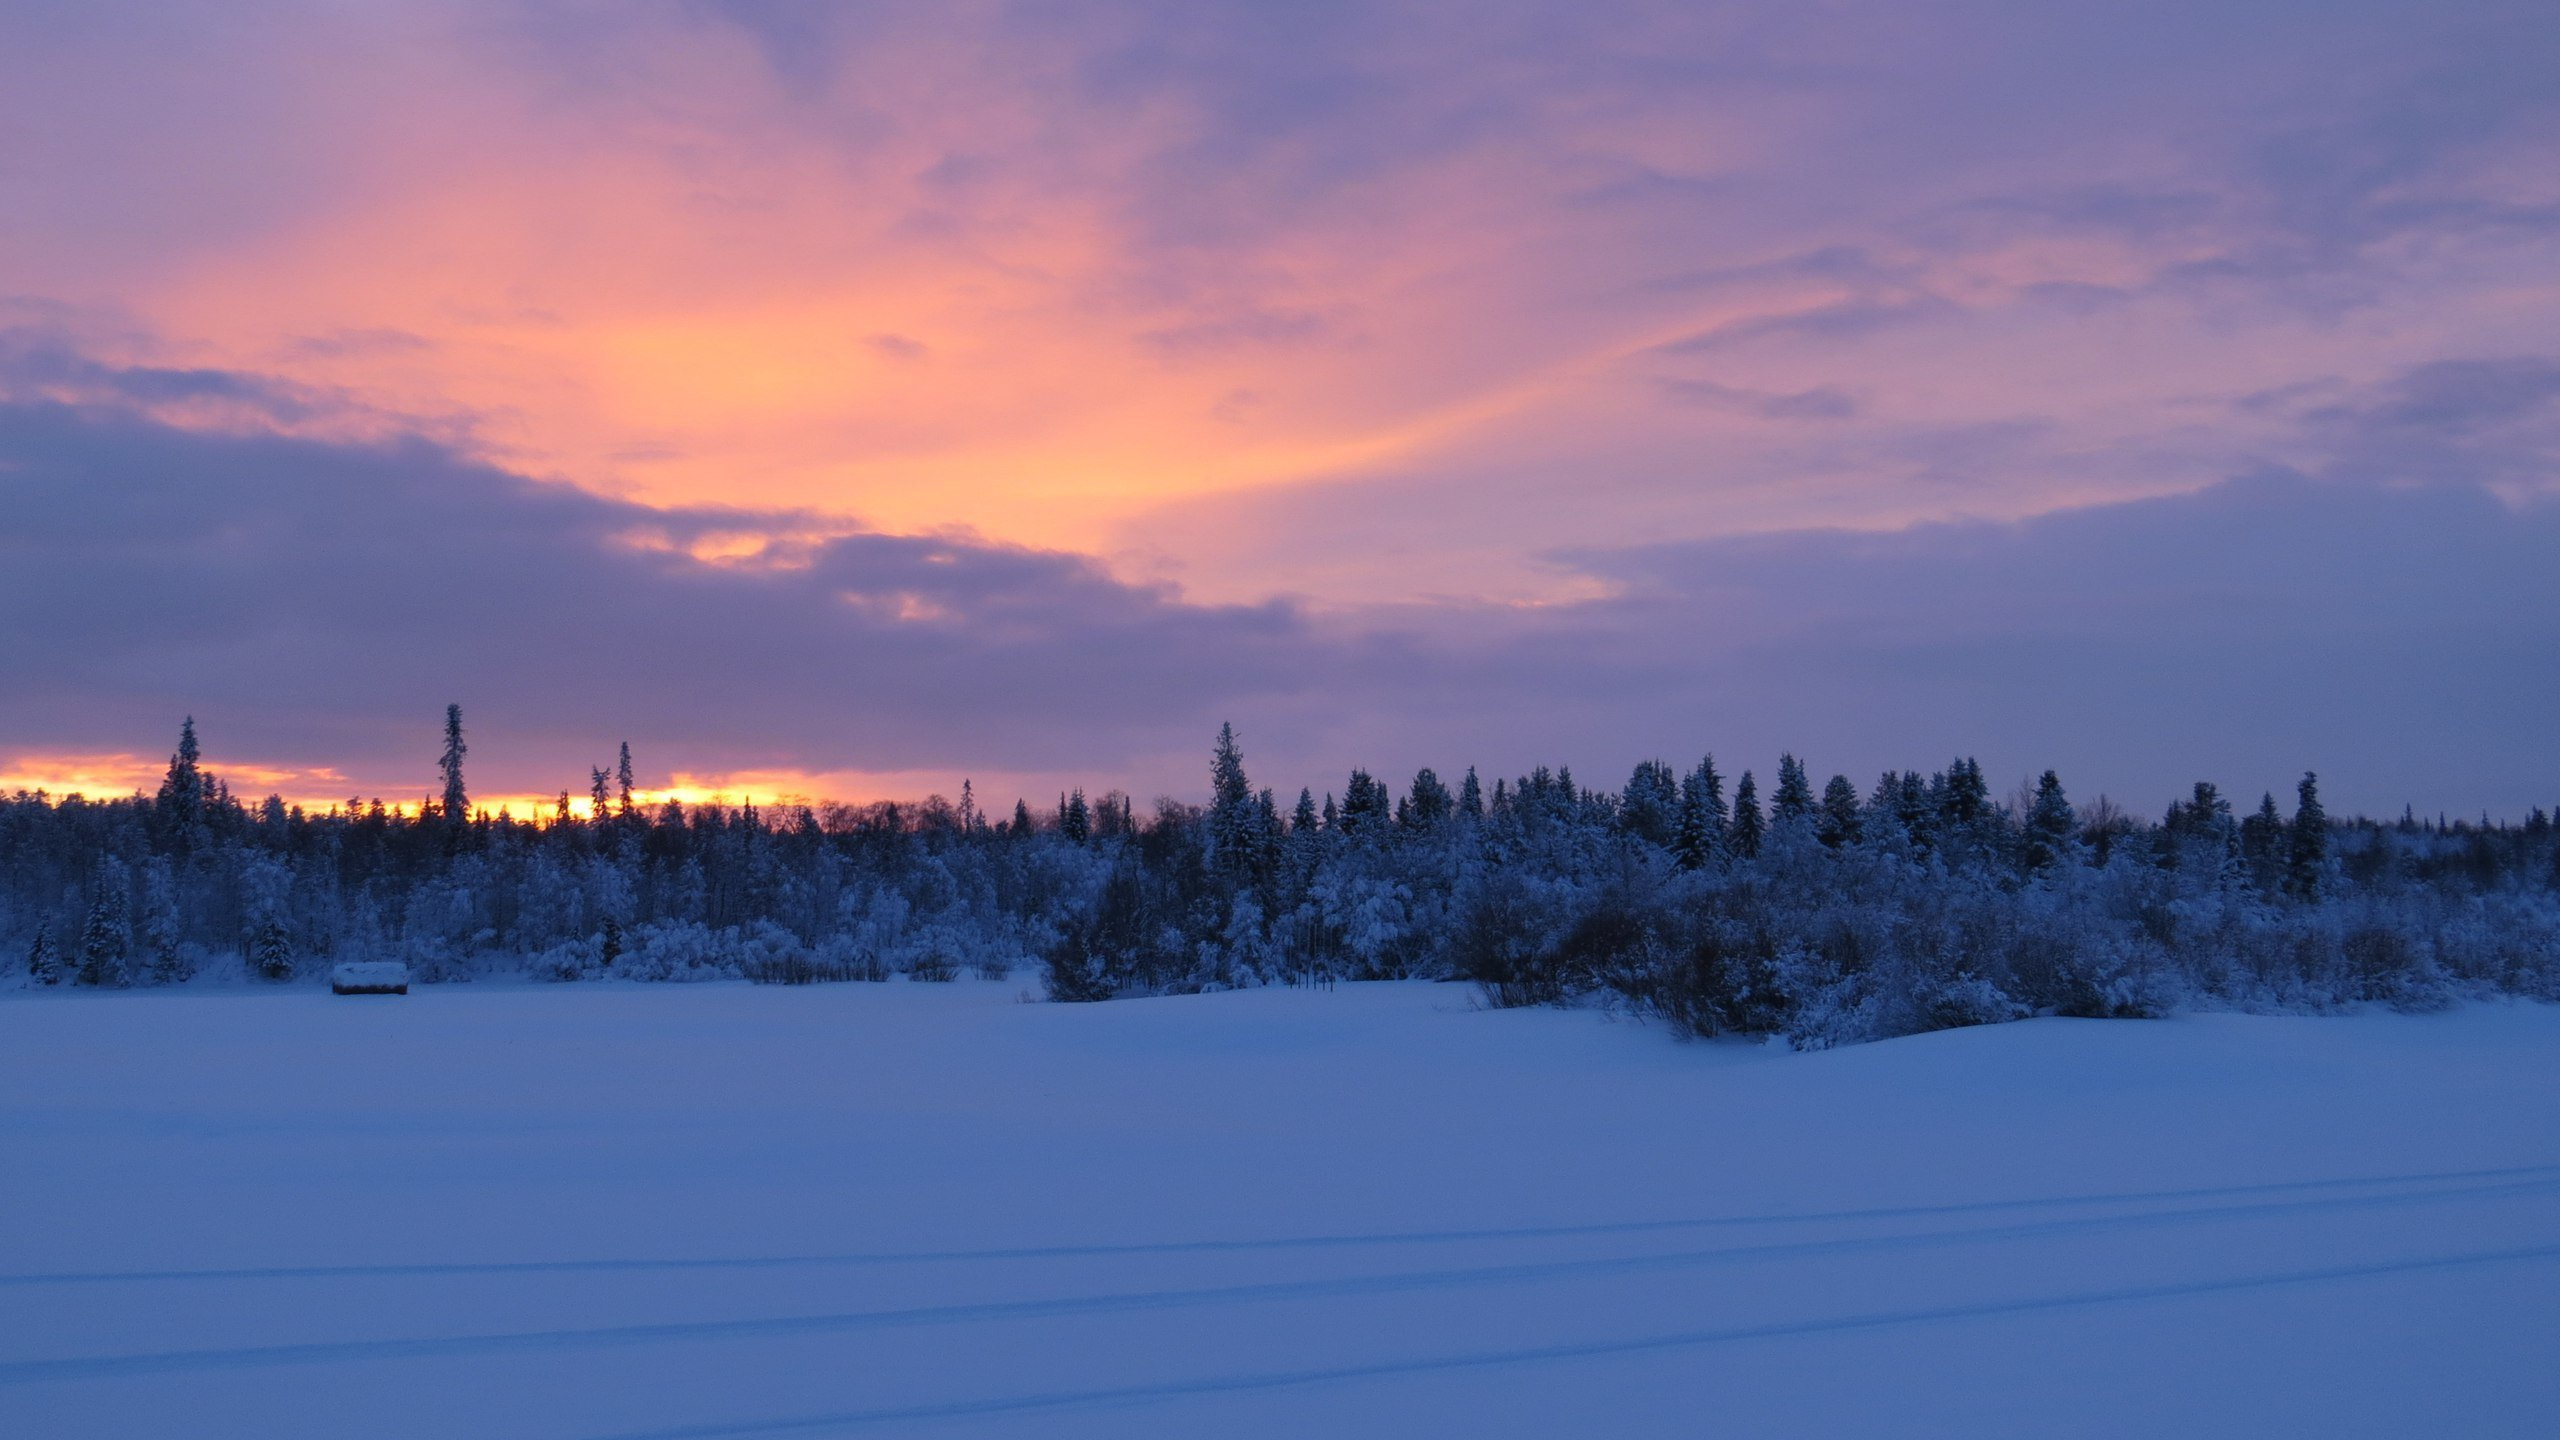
x,y
1838,823
2050,824
1748,827
1365,807
181,798
2308,848
1429,802
457,800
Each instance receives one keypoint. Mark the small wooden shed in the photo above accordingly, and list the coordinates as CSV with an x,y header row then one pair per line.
x,y
369,977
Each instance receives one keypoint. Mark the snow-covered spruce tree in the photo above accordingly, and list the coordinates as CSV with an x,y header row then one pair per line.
x,y
1649,805
1701,837
2051,828
1839,821
1268,835
2199,835
1428,804
1748,827
44,958
266,883
1366,807
103,943
1793,802
1915,811
2306,842
1304,820
1232,848
1880,818
2262,843
271,950
160,931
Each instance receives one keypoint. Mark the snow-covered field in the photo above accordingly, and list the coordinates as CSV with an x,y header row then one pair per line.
x,y
912,1209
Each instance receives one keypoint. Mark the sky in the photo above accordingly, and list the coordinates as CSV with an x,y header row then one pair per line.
x,y
842,401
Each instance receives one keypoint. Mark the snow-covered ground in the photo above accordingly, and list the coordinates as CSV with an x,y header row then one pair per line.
x,y
913,1209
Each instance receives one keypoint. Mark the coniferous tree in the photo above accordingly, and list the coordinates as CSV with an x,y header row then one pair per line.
x,y
1793,802
1021,820
271,950
2262,843
1267,835
1303,820
1883,816
1075,819
2201,831
1702,816
622,780
164,962
1965,801
1365,806
1429,802
1839,823
1471,796
1649,806
457,800
2308,837
1748,827
181,798
2050,824
44,958
106,936
597,795
102,945
1917,810
1231,846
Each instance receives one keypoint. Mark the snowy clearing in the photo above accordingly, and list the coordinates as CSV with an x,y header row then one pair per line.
x,y
585,1211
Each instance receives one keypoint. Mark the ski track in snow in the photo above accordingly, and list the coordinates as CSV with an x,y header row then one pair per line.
x,y
1400,1282
1280,1243
1547,1354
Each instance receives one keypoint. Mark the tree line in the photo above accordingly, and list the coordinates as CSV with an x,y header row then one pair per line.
x,y
1824,915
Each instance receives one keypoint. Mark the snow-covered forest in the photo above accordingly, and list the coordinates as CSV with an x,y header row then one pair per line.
x,y
1821,912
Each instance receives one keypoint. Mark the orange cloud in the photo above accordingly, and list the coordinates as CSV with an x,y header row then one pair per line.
x,y
112,775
